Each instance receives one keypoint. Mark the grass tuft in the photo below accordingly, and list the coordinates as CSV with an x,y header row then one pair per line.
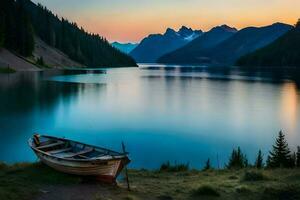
x,y
242,189
233,177
254,176
206,190
168,167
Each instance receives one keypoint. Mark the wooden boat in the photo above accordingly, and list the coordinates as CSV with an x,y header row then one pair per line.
x,y
77,158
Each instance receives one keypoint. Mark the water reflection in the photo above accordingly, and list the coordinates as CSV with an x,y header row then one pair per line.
x,y
162,113
290,106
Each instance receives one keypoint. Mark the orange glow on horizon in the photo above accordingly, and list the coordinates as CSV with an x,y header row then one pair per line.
x,y
132,20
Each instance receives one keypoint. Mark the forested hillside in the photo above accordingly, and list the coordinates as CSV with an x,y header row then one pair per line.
x,y
16,31
283,52
21,19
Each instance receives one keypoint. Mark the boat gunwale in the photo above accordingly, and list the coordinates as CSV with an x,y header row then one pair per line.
x,y
120,156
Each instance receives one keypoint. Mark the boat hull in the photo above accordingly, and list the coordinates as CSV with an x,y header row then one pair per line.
x,y
105,171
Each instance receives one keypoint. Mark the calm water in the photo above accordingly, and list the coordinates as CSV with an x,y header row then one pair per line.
x,y
161,113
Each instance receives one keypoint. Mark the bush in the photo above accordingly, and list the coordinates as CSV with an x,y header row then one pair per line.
x,y
168,167
2,166
206,190
254,176
284,193
7,70
242,189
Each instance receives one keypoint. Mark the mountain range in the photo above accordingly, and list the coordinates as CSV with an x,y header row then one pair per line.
x,y
226,51
283,52
124,47
191,52
156,45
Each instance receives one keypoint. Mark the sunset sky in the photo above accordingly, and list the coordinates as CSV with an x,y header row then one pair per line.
x,y
132,20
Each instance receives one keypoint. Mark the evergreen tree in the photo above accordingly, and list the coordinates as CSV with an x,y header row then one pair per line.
x,y
237,159
298,24
40,61
25,44
16,32
2,28
207,165
259,160
298,157
280,156
9,12
293,160
268,162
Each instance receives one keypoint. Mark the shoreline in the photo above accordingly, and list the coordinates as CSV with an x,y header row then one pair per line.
x,y
37,181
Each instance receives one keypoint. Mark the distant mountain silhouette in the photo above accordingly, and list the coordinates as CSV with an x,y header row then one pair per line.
x,y
124,47
228,51
190,52
285,51
156,45
245,41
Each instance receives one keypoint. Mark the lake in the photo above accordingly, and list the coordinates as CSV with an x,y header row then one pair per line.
x,y
162,113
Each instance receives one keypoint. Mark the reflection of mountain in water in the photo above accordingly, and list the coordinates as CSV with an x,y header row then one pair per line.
x,y
274,75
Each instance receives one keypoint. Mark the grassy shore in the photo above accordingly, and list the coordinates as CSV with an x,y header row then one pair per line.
x,y
28,181
6,70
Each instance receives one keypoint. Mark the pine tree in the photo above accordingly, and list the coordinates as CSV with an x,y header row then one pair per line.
x,y
298,157
2,28
280,156
207,165
25,41
268,162
40,61
293,160
16,32
237,159
259,160
298,24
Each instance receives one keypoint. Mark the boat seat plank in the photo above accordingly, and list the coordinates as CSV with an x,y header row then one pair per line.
x,y
82,156
59,150
51,145
45,143
70,155
101,155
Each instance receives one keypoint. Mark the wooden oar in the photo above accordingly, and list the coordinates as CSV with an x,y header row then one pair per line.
x,y
126,171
